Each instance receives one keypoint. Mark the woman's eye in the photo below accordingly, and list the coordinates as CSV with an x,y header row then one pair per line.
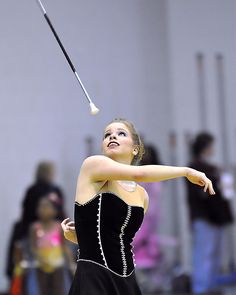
x,y
106,135
122,133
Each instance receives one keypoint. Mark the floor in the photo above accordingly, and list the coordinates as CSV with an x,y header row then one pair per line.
x,y
226,291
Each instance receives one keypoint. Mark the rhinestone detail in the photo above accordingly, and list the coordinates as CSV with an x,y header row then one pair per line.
x,y
99,229
122,246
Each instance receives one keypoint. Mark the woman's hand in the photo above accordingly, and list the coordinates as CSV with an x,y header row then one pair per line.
x,y
199,178
68,227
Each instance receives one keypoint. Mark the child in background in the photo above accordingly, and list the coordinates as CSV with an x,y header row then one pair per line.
x,y
49,250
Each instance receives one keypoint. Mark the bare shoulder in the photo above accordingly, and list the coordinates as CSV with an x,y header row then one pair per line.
x,y
143,191
145,197
87,169
93,160
87,188
93,165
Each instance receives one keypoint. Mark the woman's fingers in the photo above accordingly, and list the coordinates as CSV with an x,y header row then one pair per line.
x,y
201,179
71,223
211,189
208,186
65,221
68,225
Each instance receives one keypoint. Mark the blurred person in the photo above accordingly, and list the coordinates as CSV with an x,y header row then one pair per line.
x,y
45,232
209,216
44,184
109,209
50,253
146,245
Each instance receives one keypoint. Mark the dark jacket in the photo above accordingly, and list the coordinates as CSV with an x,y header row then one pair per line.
x,y
214,209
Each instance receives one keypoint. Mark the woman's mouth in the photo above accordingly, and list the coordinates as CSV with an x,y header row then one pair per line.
x,y
112,143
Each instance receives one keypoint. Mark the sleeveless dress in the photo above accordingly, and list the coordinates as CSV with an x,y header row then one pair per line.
x,y
105,227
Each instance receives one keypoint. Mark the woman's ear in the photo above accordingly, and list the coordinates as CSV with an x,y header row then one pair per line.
x,y
135,151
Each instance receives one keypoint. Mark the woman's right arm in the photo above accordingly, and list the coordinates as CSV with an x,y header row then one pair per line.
x,y
101,168
69,230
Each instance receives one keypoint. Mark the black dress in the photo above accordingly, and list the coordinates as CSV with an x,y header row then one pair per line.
x,y
105,227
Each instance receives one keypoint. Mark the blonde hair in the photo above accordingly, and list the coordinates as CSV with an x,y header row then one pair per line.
x,y
136,139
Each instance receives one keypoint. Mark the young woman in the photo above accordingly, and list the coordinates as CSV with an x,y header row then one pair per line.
x,y
109,209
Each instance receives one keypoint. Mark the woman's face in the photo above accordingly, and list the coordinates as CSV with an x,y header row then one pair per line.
x,y
118,143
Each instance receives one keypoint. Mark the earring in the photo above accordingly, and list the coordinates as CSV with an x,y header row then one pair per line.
x,y
135,152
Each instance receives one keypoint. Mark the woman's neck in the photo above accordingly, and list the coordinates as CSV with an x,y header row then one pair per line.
x,y
122,160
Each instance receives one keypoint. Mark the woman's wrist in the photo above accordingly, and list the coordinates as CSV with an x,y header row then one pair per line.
x,y
186,171
68,235
71,236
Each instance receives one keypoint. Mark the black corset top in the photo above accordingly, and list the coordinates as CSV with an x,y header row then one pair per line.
x,y
105,227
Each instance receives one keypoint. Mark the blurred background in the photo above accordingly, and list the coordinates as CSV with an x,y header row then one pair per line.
x,y
169,66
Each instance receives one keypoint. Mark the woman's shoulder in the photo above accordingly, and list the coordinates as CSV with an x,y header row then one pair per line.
x,y
142,189
93,161
94,158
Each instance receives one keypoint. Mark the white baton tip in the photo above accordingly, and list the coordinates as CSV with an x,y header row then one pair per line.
x,y
93,108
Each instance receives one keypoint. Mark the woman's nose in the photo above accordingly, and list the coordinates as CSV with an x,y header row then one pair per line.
x,y
112,136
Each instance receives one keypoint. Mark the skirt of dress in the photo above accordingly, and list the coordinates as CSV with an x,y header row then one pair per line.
x,y
93,279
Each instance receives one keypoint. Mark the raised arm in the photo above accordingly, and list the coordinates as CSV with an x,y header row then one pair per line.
x,y
101,168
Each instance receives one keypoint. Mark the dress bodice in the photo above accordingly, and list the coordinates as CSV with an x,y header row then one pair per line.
x,y
105,227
